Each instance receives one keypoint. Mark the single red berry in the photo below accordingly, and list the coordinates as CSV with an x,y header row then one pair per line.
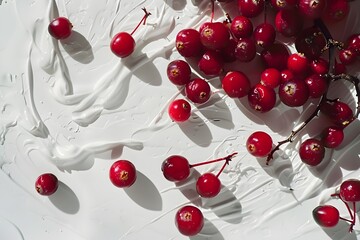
x,y
188,43
319,66
312,9
283,4
337,10
264,35
245,50
251,8
208,185
353,43
259,144
326,215
211,63
332,136
298,63
350,190
341,113
270,77
286,75
179,72
262,98
347,56
228,53
60,28
215,35
122,173
312,152
241,27
317,85
46,184
275,56
175,168
288,22
311,42
294,93
122,44
236,84
198,90
189,220
179,110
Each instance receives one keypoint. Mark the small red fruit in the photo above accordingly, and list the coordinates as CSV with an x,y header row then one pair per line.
x,y
188,43
46,184
189,220
179,110
326,215
215,35
264,35
179,72
275,56
60,28
294,93
312,152
298,63
262,98
251,8
259,144
208,185
332,136
270,77
241,27
175,168
122,173
350,190
198,90
236,84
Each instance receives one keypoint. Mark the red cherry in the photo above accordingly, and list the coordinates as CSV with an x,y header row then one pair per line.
x,y
189,220
122,173
236,84
215,35
298,63
262,98
340,113
319,66
251,8
332,136
188,43
353,43
350,190
208,185
198,90
60,28
317,85
286,75
241,27
311,9
179,110
179,72
211,63
264,35
337,10
175,168
283,4
122,44
245,50
347,56
312,152
311,42
46,184
326,215
294,93
275,56
270,77
288,22
259,144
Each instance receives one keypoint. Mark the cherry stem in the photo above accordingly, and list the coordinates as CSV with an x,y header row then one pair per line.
x,y
352,213
331,45
227,158
212,10
142,21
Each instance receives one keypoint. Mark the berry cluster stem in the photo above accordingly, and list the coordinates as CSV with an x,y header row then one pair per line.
x,y
142,21
227,158
352,212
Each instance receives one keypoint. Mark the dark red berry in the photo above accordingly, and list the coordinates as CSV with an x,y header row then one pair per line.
x,y
347,56
236,84
353,43
283,4
241,27
198,90
319,66
332,136
179,110
179,72
262,98
215,36
294,93
245,50
350,190
286,75
337,10
275,56
228,53
208,185
46,184
288,22
211,63
312,9
326,215
251,8
317,85
341,113
188,43
122,44
259,144
311,42
312,152
298,63
122,173
175,168
60,28
270,77
189,220
264,35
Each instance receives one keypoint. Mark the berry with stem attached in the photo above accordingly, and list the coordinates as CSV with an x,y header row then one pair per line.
x,y
123,44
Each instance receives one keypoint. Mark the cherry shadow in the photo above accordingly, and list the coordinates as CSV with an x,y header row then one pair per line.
x,y
65,199
197,130
188,188
78,47
340,231
208,232
145,193
176,5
